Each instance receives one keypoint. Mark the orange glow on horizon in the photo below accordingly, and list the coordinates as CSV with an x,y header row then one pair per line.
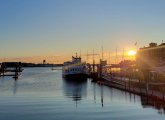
x,y
111,58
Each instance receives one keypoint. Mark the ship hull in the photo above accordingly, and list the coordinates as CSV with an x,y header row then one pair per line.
x,y
76,76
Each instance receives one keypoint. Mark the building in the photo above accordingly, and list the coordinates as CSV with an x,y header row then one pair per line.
x,y
151,56
151,61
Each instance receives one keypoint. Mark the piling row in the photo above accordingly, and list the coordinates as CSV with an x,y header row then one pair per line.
x,y
13,71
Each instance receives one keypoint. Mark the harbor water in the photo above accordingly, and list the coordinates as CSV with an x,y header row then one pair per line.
x,y
42,94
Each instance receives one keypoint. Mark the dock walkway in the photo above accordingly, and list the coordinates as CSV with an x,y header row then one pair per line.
x,y
154,90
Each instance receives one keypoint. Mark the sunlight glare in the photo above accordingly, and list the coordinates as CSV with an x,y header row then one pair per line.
x,y
131,53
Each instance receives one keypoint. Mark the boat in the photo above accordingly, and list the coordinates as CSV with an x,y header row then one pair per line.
x,y
75,68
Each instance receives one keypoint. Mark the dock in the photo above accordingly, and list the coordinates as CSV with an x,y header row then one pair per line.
x,y
130,82
13,71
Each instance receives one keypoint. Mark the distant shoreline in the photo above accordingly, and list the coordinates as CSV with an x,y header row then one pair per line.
x,y
12,64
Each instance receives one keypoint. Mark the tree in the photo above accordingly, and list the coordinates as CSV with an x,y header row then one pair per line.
x,y
44,61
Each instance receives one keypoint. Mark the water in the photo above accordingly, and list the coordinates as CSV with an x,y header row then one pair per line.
x,y
42,94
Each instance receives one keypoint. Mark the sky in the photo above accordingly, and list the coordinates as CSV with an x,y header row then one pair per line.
x,y
39,29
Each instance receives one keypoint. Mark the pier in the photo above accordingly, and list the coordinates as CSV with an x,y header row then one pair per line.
x,y
129,80
13,69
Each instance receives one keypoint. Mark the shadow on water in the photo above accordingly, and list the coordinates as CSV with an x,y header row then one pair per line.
x,y
75,88
15,86
155,103
116,94
146,101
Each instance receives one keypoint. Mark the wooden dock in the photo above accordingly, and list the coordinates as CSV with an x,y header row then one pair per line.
x,y
155,90
130,84
14,71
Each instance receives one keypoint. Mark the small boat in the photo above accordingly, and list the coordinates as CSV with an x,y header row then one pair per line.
x,y
75,68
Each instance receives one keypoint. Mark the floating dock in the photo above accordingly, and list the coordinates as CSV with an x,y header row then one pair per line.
x,y
14,71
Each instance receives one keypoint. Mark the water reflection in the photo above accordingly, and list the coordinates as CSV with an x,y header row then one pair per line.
x,y
75,88
8,84
154,103
15,86
94,92
125,97
102,97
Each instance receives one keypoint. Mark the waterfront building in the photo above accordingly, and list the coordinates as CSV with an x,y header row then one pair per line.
x,y
151,56
152,59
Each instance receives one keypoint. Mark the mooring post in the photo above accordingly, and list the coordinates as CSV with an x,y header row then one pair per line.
x,y
19,66
3,69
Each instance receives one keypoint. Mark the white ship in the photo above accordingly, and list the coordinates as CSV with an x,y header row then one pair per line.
x,y
75,68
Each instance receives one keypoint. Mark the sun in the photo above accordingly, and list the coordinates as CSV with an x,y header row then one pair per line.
x,y
131,53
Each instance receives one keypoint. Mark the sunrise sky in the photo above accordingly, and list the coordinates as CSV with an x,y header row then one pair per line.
x,y
33,30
